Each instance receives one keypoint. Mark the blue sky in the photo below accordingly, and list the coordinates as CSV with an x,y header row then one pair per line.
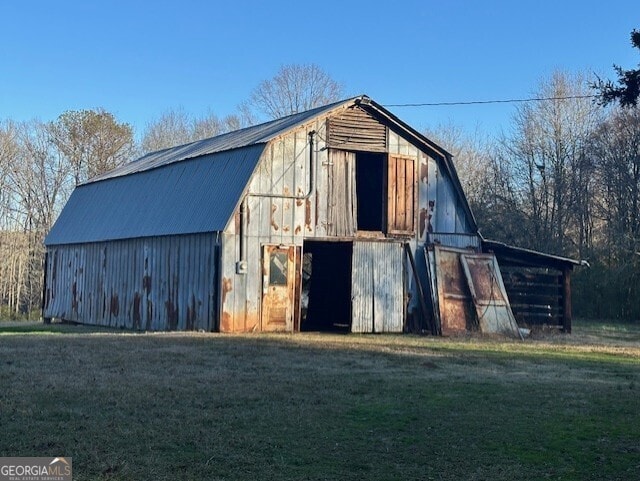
x,y
138,59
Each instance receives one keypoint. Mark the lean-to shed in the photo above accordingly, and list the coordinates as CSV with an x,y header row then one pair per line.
x,y
339,218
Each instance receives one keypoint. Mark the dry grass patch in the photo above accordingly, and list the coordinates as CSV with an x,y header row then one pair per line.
x,y
310,406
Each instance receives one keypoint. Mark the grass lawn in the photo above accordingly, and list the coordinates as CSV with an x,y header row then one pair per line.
x,y
312,407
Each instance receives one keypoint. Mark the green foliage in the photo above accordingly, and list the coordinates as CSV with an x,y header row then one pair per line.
x,y
608,291
627,90
92,141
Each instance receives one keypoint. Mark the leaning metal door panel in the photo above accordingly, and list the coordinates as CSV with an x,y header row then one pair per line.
x,y
278,288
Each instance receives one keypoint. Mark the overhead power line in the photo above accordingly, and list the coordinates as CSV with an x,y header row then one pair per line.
x,y
499,101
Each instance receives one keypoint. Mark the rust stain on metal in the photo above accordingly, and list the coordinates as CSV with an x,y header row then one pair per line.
x,y
114,307
424,171
74,300
226,288
298,229
136,311
146,284
191,314
286,228
307,214
484,279
274,224
286,190
456,311
149,314
225,323
172,315
251,323
237,221
432,208
247,213
423,221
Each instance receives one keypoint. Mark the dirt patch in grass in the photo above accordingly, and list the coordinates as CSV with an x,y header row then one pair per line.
x,y
309,406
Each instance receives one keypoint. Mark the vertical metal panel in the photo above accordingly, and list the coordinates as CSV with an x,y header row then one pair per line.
x,y
154,283
321,199
362,285
445,210
461,241
377,287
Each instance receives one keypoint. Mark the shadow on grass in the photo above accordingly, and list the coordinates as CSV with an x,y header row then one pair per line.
x,y
315,406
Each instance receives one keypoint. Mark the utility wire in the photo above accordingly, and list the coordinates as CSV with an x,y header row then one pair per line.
x,y
482,102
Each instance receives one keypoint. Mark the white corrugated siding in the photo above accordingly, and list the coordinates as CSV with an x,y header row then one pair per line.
x,y
377,289
155,283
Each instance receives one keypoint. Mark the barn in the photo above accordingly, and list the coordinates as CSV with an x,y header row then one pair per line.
x,y
341,218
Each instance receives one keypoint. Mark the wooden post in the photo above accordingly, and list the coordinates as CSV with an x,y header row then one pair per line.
x,y
566,299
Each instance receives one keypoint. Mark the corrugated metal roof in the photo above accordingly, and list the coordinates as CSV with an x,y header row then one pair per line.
x,y
196,195
257,134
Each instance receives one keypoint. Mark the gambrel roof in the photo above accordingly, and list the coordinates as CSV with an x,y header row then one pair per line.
x,y
195,188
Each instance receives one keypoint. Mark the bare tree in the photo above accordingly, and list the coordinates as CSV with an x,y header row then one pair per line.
x,y
39,166
93,141
550,168
471,156
8,154
615,150
176,127
295,88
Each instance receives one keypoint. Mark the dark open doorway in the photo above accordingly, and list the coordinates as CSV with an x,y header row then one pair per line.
x,y
370,191
326,286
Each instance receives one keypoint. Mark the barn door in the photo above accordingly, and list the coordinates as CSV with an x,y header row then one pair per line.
x,y
489,295
279,280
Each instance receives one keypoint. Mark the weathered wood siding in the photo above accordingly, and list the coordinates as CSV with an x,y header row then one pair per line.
x,y
154,283
356,129
377,287
536,295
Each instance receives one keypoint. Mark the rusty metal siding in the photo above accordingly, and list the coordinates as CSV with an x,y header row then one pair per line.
x,y
454,299
282,169
155,283
377,287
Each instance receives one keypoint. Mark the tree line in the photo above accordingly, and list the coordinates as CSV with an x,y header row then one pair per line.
x,y
563,179
42,162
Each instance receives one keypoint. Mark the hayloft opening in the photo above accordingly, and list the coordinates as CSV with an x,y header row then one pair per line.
x,y
326,286
370,191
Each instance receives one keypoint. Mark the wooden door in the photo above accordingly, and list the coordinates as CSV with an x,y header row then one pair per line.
x,y
279,275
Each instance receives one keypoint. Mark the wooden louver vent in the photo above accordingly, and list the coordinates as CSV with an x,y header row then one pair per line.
x,y
356,129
